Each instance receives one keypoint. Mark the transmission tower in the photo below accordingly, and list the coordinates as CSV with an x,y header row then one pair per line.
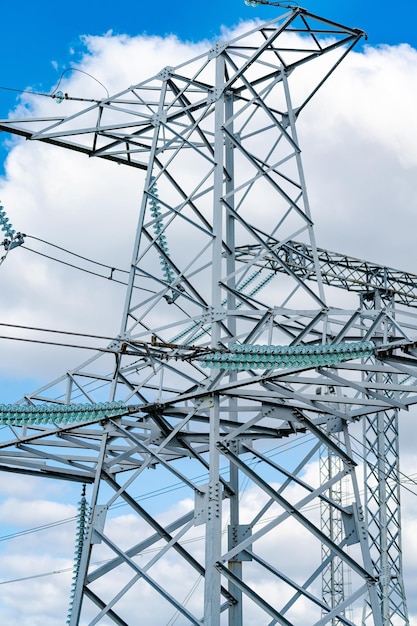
x,y
334,585
382,487
226,334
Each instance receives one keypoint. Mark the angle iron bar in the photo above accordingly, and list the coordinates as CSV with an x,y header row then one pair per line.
x,y
244,52
180,93
101,605
180,276
354,40
341,607
400,363
367,391
250,593
394,325
48,472
71,146
159,295
56,431
105,132
157,454
98,124
235,386
331,23
80,388
108,606
312,32
248,184
145,544
336,267
39,454
265,173
266,170
206,227
141,572
278,53
184,142
235,433
292,123
369,384
287,482
186,197
321,315
259,324
163,532
305,402
256,102
306,594
262,105
252,102
124,458
70,118
319,570
292,510
165,428
354,318
258,51
195,126
293,478
134,389
84,561
171,118
79,443
299,282
311,56
277,73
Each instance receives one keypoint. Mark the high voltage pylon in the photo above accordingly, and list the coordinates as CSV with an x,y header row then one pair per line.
x,y
225,337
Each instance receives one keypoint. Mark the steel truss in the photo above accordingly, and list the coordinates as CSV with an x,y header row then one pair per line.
x,y
217,138
334,585
382,490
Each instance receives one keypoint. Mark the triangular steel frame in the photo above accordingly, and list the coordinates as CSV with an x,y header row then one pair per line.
x,y
217,138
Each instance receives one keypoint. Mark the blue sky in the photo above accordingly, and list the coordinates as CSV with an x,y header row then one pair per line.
x,y
39,40
36,35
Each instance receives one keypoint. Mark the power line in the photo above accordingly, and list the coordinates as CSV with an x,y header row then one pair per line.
x,y
78,267
112,269
52,330
35,529
58,344
80,256
57,95
151,494
197,479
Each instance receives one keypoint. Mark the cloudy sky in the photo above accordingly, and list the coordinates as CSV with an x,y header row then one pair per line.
x,y
360,159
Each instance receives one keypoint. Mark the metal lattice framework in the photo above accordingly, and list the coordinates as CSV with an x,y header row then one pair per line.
x,y
382,491
334,585
224,201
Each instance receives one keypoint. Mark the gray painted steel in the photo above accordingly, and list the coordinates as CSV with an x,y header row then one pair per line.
x,y
224,201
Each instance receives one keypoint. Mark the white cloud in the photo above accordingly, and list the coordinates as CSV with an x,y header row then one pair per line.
x,y
360,158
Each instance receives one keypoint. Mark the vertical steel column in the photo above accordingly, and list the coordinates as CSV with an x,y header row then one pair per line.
x,y
214,493
382,496
235,565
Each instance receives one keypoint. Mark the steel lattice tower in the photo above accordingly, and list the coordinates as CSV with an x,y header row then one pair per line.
x,y
225,337
382,487
334,586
